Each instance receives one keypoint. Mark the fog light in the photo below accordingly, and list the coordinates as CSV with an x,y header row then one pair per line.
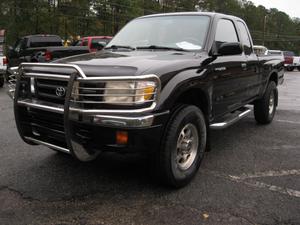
x,y
122,137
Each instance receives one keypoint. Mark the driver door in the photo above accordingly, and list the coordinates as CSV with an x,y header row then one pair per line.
x,y
227,72
16,55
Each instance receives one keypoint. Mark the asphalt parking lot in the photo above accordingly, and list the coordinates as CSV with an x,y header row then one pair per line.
x,y
251,176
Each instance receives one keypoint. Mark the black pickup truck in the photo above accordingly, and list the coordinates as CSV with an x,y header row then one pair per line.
x,y
158,88
41,48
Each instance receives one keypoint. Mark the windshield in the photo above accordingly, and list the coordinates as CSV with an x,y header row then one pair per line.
x,y
186,32
289,53
274,53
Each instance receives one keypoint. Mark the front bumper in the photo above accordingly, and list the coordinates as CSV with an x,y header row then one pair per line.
x,y
84,133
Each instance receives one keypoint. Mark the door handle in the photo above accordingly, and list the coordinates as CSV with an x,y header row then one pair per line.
x,y
244,66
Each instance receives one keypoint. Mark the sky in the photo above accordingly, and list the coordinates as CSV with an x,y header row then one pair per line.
x,y
290,7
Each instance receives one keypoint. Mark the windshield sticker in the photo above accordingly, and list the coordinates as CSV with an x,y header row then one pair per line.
x,y
188,46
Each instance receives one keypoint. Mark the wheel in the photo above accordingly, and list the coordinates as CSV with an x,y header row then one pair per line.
x,y
1,80
290,68
265,108
183,147
298,67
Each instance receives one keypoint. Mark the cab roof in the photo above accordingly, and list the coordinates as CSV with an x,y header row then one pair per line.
x,y
211,14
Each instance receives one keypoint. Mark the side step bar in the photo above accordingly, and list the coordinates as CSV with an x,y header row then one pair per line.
x,y
58,148
233,118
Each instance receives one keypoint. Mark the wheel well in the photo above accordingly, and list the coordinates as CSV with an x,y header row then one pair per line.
x,y
195,97
274,78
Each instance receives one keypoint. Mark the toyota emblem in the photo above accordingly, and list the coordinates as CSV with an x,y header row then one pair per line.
x,y
60,91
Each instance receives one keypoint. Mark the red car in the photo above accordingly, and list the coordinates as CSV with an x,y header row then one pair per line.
x,y
289,60
94,43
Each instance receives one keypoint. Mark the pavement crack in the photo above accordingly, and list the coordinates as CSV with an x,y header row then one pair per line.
x,y
210,211
19,193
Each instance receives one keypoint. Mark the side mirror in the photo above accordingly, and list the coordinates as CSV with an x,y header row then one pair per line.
x,y
10,51
230,48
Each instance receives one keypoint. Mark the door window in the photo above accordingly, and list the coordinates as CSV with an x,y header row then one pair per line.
x,y
225,32
245,38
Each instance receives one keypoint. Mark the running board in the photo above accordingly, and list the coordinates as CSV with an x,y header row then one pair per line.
x,y
232,118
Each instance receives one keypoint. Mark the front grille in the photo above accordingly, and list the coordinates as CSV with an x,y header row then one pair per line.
x,y
53,91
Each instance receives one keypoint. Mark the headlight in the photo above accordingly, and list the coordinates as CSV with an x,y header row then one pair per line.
x,y
129,92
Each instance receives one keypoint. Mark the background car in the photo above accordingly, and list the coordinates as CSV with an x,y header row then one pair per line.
x,y
3,66
94,43
41,48
260,50
275,53
291,61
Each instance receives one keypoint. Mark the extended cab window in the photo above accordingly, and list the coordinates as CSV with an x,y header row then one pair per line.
x,y
45,41
245,38
225,32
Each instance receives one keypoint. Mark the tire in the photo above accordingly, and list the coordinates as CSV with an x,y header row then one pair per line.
x,y
183,147
265,108
298,67
290,68
1,81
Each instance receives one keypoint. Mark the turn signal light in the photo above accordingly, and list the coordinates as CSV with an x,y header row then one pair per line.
x,y
5,61
148,92
48,56
122,137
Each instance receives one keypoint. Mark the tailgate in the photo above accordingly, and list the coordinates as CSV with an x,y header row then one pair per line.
x,y
1,61
296,61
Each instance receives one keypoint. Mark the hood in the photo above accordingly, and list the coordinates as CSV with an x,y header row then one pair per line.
x,y
128,63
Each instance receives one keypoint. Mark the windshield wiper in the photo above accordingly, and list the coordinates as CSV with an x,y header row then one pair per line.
x,y
120,46
161,47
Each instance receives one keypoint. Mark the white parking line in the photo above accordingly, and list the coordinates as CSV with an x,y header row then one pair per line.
x,y
252,183
286,191
288,121
270,173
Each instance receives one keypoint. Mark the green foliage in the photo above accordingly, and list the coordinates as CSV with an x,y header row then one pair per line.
x,y
106,17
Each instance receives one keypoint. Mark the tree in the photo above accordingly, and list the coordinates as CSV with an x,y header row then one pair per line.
x,y
106,17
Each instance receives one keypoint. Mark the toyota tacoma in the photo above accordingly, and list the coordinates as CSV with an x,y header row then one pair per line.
x,y
157,88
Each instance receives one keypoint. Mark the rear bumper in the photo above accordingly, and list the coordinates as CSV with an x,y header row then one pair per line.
x,y
291,65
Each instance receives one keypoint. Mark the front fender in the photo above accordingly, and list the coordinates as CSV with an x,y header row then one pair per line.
x,y
181,83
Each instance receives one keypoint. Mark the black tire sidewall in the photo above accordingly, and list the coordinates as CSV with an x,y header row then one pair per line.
x,y
261,108
186,115
1,80
272,90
